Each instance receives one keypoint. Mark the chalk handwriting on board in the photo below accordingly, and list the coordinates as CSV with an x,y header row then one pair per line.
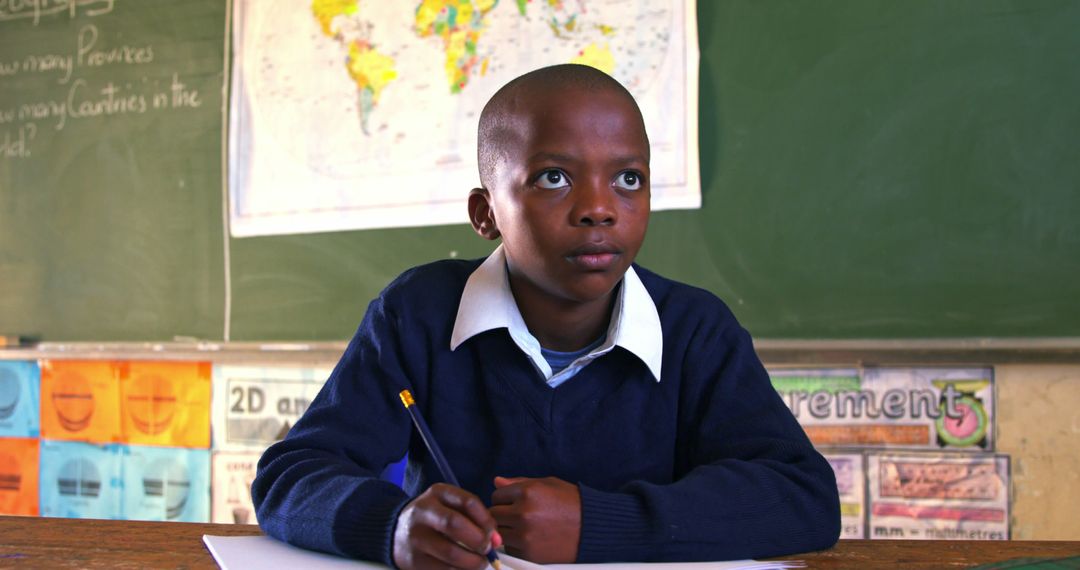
x,y
34,9
83,97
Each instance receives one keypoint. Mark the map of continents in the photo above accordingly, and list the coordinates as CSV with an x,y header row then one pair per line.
x,y
459,27
335,95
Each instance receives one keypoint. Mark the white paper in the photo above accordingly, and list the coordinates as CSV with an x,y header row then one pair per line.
x,y
511,563
265,553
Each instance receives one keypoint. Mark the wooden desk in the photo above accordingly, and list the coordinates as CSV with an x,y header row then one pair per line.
x,y
40,542
32,542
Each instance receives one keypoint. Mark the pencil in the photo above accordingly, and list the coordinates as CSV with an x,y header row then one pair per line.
x,y
7,340
436,453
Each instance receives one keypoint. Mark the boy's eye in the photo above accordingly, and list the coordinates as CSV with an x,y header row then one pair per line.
x,y
552,179
628,181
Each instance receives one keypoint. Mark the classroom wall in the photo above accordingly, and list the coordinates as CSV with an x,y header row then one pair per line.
x,y
1038,427
809,58
1038,423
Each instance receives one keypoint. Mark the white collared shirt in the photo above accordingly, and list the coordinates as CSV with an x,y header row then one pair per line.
x,y
488,303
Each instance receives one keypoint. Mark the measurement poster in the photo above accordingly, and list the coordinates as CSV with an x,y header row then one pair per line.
x,y
892,407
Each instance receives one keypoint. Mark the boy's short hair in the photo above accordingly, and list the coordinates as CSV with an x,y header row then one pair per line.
x,y
494,128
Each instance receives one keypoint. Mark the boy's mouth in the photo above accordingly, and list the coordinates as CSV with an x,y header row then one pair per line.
x,y
594,256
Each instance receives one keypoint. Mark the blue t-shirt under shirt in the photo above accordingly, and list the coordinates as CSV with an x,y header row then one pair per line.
x,y
558,361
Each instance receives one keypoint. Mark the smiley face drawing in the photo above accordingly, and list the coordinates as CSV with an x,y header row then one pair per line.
x,y
79,477
73,400
166,480
10,473
151,403
970,427
9,393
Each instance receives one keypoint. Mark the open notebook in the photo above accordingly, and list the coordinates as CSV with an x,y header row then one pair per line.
x,y
265,553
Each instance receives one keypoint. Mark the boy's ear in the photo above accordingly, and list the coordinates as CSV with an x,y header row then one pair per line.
x,y
482,215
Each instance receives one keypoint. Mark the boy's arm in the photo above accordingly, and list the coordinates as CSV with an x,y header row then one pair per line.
x,y
319,487
754,486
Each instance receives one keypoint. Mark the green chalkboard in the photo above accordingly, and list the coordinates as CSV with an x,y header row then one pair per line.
x,y
110,169
889,169
870,169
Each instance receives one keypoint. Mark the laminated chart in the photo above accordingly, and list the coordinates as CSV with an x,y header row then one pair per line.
x,y
938,496
850,482
165,403
909,408
233,472
165,484
19,476
255,406
20,385
80,480
80,400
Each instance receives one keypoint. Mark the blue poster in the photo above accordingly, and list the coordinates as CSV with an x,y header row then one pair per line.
x,y
165,483
80,480
20,389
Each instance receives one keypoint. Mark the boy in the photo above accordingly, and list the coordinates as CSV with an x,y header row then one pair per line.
x,y
592,411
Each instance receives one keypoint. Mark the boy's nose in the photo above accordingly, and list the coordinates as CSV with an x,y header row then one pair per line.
x,y
594,205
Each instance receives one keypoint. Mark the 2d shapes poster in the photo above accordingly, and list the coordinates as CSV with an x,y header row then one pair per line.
x,y
20,385
938,496
850,482
350,114
892,407
166,403
19,459
80,480
255,406
165,484
80,400
232,474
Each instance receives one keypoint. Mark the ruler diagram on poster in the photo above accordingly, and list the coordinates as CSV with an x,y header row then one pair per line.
x,y
944,496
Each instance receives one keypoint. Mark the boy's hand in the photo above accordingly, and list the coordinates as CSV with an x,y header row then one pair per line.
x,y
539,519
444,527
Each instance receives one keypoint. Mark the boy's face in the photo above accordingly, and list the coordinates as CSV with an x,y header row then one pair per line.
x,y
570,196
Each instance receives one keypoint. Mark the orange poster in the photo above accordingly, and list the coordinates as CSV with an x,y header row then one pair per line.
x,y
166,403
19,476
80,400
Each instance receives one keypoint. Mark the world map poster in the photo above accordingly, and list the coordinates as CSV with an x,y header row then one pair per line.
x,y
352,114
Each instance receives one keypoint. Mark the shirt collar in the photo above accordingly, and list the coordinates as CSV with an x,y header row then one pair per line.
x,y
487,303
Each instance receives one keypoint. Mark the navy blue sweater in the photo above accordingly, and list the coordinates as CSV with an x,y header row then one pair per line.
x,y
707,464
